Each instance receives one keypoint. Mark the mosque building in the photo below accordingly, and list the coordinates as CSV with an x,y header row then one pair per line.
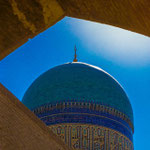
x,y
83,105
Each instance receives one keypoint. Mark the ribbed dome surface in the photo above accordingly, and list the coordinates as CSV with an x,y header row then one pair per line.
x,y
80,82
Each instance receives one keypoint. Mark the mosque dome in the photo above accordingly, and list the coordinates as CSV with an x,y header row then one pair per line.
x,y
77,82
83,105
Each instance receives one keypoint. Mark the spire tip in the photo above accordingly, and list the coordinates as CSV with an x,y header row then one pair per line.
x,y
75,55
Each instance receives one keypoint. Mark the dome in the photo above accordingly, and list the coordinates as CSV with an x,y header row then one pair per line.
x,y
80,82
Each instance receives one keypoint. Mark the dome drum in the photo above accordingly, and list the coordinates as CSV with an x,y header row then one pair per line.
x,y
87,113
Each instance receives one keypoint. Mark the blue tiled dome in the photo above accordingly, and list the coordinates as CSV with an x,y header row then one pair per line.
x,y
80,82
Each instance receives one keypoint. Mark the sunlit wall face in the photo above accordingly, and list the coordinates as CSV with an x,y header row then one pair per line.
x,y
116,44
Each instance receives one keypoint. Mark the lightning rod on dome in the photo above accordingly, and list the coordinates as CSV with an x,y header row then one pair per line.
x,y
75,55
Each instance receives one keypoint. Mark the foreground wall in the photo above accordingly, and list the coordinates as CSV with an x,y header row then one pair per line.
x,y
20,129
21,20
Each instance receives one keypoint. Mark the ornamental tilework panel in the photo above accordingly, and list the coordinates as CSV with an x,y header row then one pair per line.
x,y
91,137
85,113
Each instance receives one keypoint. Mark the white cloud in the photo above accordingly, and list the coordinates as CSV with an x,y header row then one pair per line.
x,y
113,43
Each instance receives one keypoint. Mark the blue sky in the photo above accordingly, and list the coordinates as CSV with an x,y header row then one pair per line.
x,y
123,54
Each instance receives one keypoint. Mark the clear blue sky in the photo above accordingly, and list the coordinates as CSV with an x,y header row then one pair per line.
x,y
123,54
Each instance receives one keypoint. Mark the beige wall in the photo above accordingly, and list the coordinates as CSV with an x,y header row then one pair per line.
x,y
20,129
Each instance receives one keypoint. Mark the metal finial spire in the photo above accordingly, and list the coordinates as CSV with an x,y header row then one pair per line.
x,y
75,55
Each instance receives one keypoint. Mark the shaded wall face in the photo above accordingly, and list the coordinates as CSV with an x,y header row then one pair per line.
x,y
22,20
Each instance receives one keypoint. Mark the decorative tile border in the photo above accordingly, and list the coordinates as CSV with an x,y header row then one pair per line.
x,y
86,137
82,107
